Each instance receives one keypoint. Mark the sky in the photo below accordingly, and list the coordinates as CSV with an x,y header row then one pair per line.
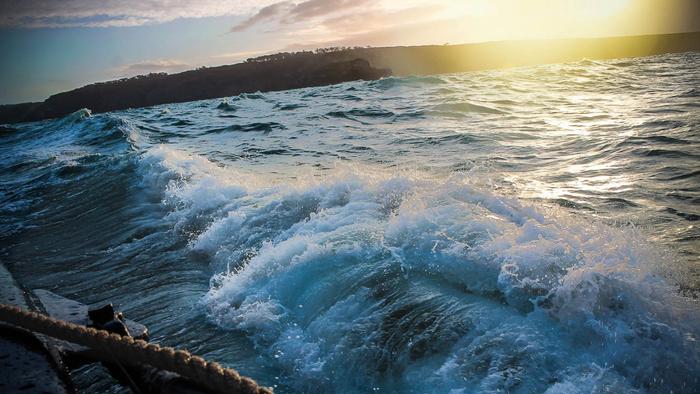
x,y
51,46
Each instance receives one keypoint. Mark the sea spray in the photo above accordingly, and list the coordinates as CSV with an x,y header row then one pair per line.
x,y
420,283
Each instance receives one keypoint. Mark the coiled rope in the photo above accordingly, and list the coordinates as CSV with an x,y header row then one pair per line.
x,y
129,350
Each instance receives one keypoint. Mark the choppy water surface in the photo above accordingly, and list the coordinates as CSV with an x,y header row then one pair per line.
x,y
524,230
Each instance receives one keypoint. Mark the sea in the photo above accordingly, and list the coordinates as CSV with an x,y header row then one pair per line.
x,y
525,230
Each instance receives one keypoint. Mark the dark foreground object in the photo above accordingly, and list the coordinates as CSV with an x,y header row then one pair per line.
x,y
37,362
27,367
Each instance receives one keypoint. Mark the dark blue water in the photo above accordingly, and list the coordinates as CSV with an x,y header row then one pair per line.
x,y
524,230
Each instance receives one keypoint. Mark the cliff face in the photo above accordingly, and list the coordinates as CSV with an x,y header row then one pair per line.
x,y
289,73
302,69
442,59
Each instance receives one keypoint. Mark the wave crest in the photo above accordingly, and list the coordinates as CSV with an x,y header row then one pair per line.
x,y
396,277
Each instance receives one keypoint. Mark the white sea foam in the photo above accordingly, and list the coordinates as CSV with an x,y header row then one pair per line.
x,y
409,283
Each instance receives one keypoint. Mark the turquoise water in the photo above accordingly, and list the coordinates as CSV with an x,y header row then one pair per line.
x,y
523,230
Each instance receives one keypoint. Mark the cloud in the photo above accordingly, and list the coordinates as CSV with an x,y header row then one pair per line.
x,y
314,8
109,13
373,20
265,13
119,13
289,12
376,24
152,66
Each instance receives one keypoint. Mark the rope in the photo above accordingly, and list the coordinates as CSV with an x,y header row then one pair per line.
x,y
129,350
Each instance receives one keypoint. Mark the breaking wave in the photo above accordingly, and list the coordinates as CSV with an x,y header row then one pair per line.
x,y
412,284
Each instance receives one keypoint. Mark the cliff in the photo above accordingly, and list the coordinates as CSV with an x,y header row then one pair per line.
x,y
283,71
192,85
442,59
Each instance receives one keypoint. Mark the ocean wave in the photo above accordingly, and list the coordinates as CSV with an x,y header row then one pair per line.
x,y
226,106
265,127
393,82
675,175
288,107
416,284
76,116
182,123
251,96
361,112
654,139
465,107
694,92
460,138
664,153
5,129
